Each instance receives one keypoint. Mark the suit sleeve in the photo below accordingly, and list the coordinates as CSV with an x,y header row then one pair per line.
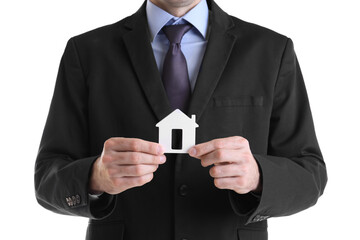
x,y
63,164
293,171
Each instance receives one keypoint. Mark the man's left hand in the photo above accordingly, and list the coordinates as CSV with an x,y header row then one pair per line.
x,y
235,167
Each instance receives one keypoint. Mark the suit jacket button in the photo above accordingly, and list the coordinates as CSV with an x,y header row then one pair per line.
x,y
257,218
73,198
69,201
183,190
78,199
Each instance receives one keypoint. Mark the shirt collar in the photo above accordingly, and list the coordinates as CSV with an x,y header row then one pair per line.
x,y
157,18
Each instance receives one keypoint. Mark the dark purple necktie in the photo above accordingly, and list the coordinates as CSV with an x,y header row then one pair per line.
x,y
175,73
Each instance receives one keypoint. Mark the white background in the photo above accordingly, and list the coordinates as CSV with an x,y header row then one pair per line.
x,y
33,35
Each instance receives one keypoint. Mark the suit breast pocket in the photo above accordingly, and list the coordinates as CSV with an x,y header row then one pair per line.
x,y
243,115
240,101
105,230
229,116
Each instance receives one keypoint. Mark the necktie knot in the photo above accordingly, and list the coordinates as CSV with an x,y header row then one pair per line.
x,y
176,32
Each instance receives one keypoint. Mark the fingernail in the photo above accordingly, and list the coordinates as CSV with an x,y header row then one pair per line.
x,y
192,152
160,150
162,159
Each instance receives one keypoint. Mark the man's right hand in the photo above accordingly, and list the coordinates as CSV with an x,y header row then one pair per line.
x,y
125,163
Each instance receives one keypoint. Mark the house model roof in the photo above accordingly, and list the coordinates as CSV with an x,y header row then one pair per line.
x,y
177,119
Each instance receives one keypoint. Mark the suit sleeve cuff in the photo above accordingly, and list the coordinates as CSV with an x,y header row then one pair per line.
x,y
244,204
101,205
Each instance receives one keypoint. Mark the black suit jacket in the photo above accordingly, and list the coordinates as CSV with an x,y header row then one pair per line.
x,y
249,85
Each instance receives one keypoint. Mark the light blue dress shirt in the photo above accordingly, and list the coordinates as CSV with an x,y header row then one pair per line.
x,y
194,42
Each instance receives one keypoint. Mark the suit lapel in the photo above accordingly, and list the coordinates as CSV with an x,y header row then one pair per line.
x,y
137,41
218,50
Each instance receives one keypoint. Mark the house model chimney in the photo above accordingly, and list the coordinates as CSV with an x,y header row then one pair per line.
x,y
193,118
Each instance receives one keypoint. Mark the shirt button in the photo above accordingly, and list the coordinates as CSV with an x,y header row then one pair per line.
x,y
183,191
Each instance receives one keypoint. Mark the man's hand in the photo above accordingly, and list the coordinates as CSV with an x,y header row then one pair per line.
x,y
125,163
234,168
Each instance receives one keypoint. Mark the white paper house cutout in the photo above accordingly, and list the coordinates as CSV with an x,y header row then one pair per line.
x,y
177,121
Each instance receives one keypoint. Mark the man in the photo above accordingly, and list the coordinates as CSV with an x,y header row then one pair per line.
x,y
257,155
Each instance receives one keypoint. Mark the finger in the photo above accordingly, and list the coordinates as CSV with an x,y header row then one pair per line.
x,y
221,156
131,170
124,183
237,184
133,145
132,158
227,170
235,142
